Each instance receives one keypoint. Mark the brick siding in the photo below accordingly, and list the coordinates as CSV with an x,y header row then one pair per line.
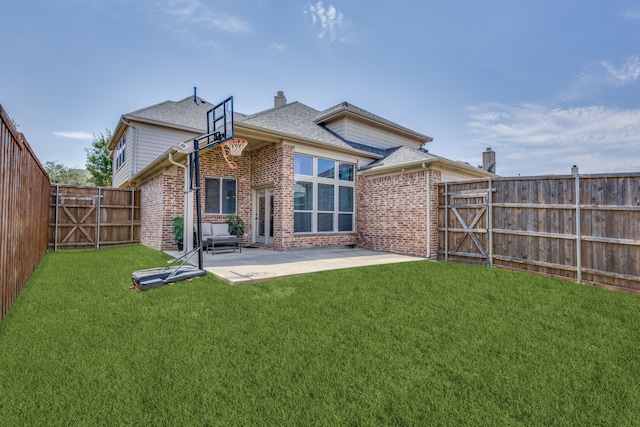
x,y
213,165
161,201
392,213
272,165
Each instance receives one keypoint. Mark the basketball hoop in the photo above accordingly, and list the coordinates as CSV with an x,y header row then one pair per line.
x,y
233,147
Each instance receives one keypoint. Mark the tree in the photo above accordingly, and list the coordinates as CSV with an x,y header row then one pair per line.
x,y
98,162
60,174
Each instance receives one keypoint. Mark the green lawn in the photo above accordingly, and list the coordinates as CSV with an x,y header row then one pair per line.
x,y
419,343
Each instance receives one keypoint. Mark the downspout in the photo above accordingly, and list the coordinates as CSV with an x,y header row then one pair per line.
x,y
187,212
428,172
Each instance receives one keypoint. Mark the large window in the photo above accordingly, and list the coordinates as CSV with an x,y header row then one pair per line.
x,y
120,152
220,196
323,195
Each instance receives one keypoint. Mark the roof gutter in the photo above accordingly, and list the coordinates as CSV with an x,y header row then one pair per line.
x,y
402,167
163,124
418,164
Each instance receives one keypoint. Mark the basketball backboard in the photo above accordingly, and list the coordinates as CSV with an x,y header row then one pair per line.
x,y
220,122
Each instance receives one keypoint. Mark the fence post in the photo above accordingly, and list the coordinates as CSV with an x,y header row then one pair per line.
x,y
98,215
578,233
55,234
133,214
446,221
490,222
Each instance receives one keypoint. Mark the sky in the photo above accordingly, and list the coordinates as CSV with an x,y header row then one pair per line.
x,y
546,84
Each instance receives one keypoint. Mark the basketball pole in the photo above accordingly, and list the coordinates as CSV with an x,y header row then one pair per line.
x,y
196,167
214,138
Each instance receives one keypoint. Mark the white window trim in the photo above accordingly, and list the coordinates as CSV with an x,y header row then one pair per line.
x,y
337,183
221,178
120,156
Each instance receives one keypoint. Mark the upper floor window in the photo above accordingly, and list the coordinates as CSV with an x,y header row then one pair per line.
x,y
324,192
120,152
303,165
220,196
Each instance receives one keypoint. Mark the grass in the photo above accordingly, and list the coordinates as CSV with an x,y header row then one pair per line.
x,y
406,344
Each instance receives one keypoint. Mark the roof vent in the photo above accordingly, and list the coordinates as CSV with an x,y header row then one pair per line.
x,y
279,100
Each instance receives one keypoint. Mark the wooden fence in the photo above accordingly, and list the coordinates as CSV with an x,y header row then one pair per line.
x,y
578,227
91,217
24,189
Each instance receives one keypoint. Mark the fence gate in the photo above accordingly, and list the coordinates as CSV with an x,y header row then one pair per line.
x,y
91,217
467,219
76,219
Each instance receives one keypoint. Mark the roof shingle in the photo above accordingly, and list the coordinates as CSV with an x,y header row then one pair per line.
x,y
185,113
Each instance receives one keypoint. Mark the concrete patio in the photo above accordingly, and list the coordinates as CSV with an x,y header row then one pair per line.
x,y
259,264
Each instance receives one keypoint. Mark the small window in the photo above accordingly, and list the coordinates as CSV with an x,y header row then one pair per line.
x,y
345,222
345,199
303,196
220,196
346,171
302,222
326,168
303,165
325,222
325,197
120,152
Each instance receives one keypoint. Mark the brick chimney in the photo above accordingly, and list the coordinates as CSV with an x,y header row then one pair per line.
x,y
489,160
279,100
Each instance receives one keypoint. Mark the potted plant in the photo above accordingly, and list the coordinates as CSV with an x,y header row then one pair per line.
x,y
236,225
178,230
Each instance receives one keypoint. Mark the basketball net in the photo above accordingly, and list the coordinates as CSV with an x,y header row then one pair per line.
x,y
234,148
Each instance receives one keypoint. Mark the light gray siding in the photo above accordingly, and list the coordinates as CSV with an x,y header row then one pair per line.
x,y
151,141
449,175
338,127
122,174
357,131
144,143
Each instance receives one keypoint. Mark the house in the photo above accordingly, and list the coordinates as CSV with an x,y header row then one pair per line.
x,y
341,176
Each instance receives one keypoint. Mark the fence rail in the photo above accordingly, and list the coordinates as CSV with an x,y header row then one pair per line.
x,y
580,227
82,217
24,186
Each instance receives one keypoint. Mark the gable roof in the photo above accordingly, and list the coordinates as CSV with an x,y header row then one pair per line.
x,y
295,119
185,113
400,156
300,121
406,157
344,109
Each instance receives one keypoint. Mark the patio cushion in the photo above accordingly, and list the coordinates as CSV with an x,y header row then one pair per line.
x,y
219,230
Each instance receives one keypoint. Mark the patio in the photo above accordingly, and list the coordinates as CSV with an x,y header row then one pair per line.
x,y
259,264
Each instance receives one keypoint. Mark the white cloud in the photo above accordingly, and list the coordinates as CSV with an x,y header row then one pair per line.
x,y
533,139
600,78
632,14
74,135
538,139
278,47
332,23
195,12
625,74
